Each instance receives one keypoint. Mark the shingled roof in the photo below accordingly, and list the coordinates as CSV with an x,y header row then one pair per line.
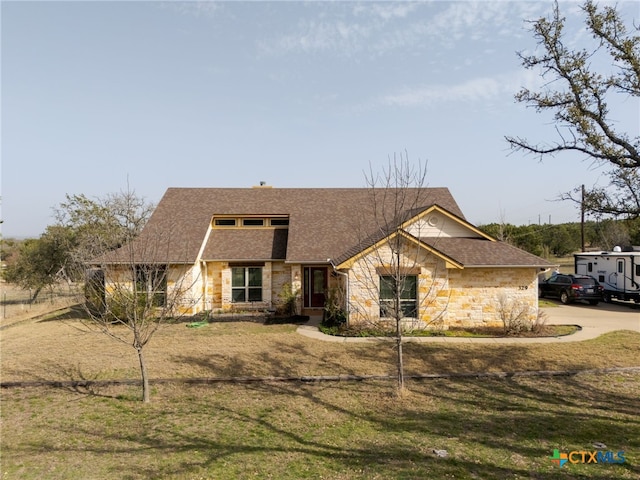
x,y
324,223
481,252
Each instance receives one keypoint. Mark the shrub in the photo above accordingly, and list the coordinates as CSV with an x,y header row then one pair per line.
x,y
333,314
289,300
515,315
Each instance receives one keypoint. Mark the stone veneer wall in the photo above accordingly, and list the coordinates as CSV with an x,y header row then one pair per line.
x,y
364,282
280,276
475,294
446,296
213,286
218,286
184,286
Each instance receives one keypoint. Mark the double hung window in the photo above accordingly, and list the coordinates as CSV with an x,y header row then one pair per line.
x,y
398,295
246,284
151,283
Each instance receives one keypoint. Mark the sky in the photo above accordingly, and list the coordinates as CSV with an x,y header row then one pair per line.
x,y
101,97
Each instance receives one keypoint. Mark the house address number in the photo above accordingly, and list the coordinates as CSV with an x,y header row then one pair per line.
x,y
523,287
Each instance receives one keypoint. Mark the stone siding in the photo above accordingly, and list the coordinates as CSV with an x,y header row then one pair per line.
x,y
479,296
184,287
446,296
218,286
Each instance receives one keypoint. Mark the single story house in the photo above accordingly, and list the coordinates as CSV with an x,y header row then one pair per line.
x,y
346,248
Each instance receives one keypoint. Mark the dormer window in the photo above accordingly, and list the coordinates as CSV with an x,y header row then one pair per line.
x,y
225,222
279,222
253,222
240,221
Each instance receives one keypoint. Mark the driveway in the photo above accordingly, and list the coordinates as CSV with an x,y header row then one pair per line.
x,y
605,317
594,321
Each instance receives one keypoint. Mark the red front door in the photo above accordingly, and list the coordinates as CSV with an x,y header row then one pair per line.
x,y
315,286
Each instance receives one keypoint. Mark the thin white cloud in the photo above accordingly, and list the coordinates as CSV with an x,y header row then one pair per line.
x,y
477,89
319,36
195,8
386,11
377,28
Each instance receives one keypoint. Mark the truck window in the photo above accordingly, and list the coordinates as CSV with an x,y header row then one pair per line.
x,y
620,266
589,267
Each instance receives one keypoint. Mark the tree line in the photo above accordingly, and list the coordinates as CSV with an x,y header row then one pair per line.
x,y
84,228
560,240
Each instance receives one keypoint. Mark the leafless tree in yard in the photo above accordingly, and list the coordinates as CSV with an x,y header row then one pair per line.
x,y
131,292
396,277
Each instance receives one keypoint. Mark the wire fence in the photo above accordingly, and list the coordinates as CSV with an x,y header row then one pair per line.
x,y
17,303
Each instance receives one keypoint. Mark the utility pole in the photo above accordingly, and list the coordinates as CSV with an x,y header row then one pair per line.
x,y
582,220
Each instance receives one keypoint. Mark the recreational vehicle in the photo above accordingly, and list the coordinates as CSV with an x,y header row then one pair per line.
x,y
617,271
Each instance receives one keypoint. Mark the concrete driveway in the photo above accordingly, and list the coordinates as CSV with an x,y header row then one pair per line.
x,y
594,321
605,317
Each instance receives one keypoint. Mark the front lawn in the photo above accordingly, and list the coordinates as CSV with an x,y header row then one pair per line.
x,y
487,428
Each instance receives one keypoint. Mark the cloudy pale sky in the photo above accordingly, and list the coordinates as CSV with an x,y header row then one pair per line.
x,y
100,95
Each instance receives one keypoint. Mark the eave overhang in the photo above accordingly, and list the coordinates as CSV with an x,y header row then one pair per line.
x,y
449,261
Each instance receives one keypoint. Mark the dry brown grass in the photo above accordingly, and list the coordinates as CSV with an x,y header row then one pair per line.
x,y
16,304
60,348
492,428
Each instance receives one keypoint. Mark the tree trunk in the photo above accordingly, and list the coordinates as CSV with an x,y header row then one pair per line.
x,y
399,314
35,295
143,372
400,360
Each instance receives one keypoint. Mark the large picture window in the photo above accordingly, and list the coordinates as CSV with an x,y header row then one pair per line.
x,y
246,284
406,287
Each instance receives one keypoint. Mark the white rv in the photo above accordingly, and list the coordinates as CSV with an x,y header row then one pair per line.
x,y
618,272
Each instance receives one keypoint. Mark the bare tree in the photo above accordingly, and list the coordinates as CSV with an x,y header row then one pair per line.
x,y
133,291
581,97
395,276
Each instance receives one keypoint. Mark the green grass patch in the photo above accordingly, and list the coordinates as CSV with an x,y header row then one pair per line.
x,y
543,303
475,332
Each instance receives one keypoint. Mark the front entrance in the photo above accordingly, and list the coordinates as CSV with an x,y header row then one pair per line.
x,y
315,286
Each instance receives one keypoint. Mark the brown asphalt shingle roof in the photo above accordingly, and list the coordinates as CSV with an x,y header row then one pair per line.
x,y
251,244
482,252
323,223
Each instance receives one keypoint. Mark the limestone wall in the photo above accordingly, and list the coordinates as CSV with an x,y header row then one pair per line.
x,y
218,286
184,286
478,296
446,296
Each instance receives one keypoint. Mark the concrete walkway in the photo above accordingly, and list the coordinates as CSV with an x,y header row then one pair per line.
x,y
593,321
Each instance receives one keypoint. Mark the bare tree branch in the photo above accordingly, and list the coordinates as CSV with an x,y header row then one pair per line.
x,y
579,97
